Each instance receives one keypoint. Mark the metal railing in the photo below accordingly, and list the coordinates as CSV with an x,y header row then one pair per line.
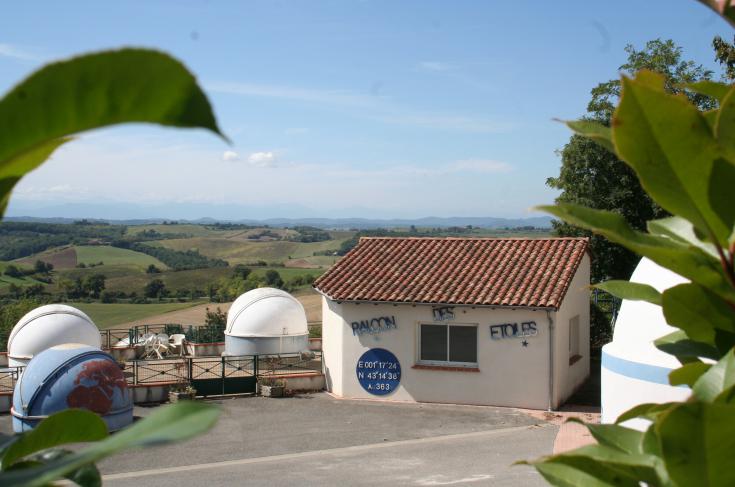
x,y
187,369
194,333
8,378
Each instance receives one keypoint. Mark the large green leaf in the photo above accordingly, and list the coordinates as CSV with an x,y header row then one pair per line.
x,y
688,374
631,290
583,472
687,261
92,91
624,439
645,411
609,465
718,379
14,168
714,89
725,124
669,144
682,347
721,183
697,311
593,130
682,231
697,440
70,426
169,423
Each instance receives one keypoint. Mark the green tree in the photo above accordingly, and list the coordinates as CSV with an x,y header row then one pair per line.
x,y
15,291
241,271
13,271
152,269
41,267
93,285
273,278
725,55
592,176
154,289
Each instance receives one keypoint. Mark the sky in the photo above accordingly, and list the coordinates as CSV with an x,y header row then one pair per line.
x,y
373,109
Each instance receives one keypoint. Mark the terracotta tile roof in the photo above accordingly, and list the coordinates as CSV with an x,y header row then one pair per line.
x,y
519,272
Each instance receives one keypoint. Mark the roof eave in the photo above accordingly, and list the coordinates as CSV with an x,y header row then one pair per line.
x,y
426,303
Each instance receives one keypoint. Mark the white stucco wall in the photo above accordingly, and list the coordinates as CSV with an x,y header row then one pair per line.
x,y
568,377
509,374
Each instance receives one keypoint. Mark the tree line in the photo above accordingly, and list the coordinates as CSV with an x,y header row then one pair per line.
x,y
175,259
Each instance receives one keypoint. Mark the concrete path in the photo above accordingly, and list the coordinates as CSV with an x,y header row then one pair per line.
x,y
317,440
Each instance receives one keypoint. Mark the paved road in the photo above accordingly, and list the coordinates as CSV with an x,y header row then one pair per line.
x,y
317,440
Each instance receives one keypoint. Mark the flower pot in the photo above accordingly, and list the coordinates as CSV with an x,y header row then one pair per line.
x,y
174,396
271,391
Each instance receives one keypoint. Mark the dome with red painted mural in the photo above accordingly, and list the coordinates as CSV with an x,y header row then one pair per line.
x,y
72,375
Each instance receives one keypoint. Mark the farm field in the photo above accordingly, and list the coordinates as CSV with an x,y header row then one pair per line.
x,y
61,257
243,251
262,249
115,314
92,254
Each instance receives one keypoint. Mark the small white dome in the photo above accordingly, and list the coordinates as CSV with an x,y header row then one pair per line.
x,y
266,312
47,326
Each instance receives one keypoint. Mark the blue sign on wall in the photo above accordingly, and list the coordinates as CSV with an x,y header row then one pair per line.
x,y
379,371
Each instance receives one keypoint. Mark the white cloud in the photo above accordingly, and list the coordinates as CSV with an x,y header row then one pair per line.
x,y
435,66
230,155
15,52
480,166
53,192
328,97
262,159
372,107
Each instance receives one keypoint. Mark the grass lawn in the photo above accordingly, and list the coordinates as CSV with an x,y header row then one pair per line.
x,y
109,315
91,254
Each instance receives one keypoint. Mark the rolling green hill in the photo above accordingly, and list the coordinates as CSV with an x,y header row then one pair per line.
x,y
91,254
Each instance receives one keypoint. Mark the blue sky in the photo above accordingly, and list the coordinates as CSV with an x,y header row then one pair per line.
x,y
340,108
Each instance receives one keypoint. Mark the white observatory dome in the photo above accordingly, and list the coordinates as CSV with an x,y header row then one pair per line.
x,y
266,321
48,326
634,371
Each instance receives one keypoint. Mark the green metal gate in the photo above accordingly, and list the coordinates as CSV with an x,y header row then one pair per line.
x,y
225,375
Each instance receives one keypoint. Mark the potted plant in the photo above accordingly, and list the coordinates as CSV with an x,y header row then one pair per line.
x,y
271,387
179,392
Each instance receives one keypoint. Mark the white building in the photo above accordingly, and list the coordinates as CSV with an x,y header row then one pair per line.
x,y
485,321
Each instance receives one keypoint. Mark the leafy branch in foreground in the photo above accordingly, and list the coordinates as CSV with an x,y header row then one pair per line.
x,y
38,116
91,91
26,460
685,160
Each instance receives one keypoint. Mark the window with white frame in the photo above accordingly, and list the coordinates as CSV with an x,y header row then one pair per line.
x,y
574,338
448,344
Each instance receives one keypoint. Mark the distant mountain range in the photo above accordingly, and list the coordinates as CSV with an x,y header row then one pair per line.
x,y
330,223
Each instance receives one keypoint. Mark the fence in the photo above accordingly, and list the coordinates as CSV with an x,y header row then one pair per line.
x,y
608,304
8,377
194,333
190,369
209,375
